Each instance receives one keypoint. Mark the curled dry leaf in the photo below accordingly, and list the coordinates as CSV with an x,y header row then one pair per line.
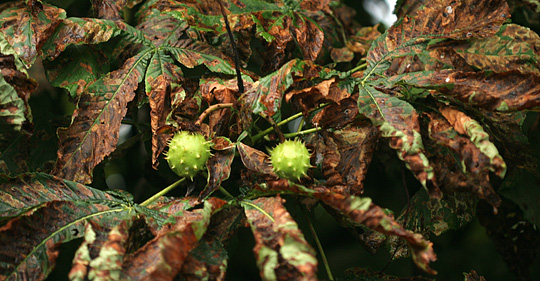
x,y
470,127
163,256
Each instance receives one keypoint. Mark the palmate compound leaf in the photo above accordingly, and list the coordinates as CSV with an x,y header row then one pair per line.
x,y
71,63
278,23
27,24
281,250
362,211
404,48
163,256
45,211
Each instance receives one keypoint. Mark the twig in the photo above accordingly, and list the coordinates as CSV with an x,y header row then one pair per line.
x,y
235,50
210,109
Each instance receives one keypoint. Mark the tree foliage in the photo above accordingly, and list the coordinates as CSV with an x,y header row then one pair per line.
x,y
449,89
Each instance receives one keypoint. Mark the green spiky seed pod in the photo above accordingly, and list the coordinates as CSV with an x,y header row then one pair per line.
x,y
188,153
290,160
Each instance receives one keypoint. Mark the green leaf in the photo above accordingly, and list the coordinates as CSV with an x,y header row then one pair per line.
x,y
279,243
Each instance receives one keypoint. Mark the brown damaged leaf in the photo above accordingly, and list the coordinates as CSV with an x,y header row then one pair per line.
x,y
29,190
309,37
93,133
206,262
324,91
361,211
460,19
467,126
513,47
27,25
108,9
471,169
347,155
504,92
102,252
81,31
219,165
215,91
162,257
255,160
40,232
281,250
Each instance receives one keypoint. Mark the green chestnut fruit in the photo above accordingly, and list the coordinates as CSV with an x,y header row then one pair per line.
x,y
290,160
188,153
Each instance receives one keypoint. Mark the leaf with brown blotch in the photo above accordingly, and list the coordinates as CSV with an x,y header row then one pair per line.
x,y
15,89
160,74
108,9
309,36
266,95
76,68
281,250
437,20
347,155
27,25
219,165
255,160
162,257
513,47
40,232
465,125
397,120
80,31
473,166
206,262
429,215
93,133
217,91
362,211
27,191
504,92
337,116
325,91
102,252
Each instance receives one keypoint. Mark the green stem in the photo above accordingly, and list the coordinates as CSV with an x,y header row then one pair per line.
x,y
321,250
260,135
358,68
224,191
258,209
304,132
161,193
